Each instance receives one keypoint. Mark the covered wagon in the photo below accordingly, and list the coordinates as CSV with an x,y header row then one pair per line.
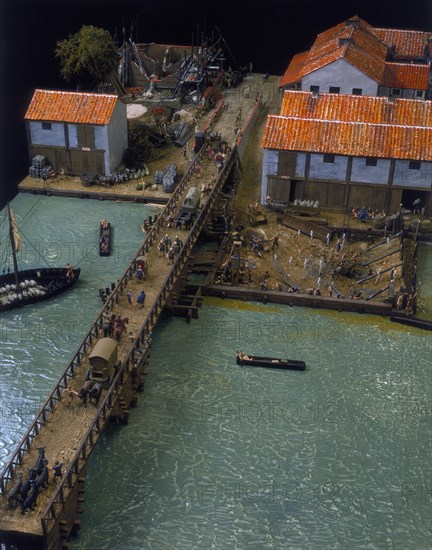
x,y
103,359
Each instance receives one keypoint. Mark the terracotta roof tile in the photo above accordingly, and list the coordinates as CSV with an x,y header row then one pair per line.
x,y
348,138
406,75
365,47
72,107
294,71
352,125
409,44
356,108
357,45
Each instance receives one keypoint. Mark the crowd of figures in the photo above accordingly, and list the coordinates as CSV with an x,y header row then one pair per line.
x,y
113,325
169,249
25,492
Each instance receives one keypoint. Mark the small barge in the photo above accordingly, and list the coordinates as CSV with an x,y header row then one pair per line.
x,y
104,238
269,362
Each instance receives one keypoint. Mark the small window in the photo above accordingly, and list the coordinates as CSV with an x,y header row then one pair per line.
x,y
46,125
419,93
370,161
329,158
334,89
357,91
314,89
414,165
396,91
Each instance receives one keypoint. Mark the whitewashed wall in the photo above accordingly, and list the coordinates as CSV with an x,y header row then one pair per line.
x,y
343,74
378,174
54,137
117,137
326,170
404,177
269,167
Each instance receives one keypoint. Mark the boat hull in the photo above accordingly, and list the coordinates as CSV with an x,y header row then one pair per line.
x,y
105,239
52,279
271,362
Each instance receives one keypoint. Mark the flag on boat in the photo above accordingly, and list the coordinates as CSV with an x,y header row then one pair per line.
x,y
15,233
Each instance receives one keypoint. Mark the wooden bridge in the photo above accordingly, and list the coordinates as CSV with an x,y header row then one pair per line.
x,y
59,505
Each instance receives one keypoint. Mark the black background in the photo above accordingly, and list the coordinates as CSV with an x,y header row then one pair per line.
x,y
268,33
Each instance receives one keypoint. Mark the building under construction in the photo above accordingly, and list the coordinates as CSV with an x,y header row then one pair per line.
x,y
191,74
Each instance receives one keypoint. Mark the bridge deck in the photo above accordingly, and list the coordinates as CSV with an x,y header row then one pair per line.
x,y
69,433
65,427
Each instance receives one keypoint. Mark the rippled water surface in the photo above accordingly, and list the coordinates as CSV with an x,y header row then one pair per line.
x,y
37,341
227,457
220,456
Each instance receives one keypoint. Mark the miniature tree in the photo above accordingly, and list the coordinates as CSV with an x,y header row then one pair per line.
x,y
87,57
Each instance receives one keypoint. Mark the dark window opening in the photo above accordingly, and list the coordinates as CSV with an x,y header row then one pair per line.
x,y
357,91
370,161
329,158
396,91
419,93
314,89
46,126
334,89
414,165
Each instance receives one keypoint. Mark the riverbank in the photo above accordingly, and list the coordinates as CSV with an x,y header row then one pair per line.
x,y
296,260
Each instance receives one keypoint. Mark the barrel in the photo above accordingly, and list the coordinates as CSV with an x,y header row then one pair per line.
x,y
378,222
425,226
414,224
389,221
407,221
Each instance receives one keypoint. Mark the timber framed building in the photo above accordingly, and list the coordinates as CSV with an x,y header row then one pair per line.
x,y
354,127
79,132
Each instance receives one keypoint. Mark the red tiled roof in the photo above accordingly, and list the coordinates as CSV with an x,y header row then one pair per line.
x,y
367,51
294,71
357,45
406,75
409,44
352,125
356,108
355,22
72,107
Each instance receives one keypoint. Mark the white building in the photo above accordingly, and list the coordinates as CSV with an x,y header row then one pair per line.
x,y
356,58
354,127
349,151
80,132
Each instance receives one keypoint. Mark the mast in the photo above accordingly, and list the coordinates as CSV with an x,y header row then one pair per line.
x,y
13,245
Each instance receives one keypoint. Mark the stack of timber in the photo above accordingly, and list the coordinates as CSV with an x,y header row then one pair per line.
x,y
305,226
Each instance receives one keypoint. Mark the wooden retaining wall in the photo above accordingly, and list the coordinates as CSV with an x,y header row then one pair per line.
x,y
298,299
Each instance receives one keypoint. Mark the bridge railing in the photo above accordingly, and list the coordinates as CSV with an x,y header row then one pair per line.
x,y
139,348
45,410
47,407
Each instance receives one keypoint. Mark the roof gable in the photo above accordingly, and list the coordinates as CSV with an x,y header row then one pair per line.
x,y
71,107
365,47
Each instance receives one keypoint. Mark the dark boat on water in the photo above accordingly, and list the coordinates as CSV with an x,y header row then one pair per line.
x,y
269,362
104,238
29,286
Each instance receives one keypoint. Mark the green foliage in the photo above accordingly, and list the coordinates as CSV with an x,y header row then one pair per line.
x,y
141,148
87,56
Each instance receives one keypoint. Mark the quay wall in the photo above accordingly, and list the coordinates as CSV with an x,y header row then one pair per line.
x,y
298,299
